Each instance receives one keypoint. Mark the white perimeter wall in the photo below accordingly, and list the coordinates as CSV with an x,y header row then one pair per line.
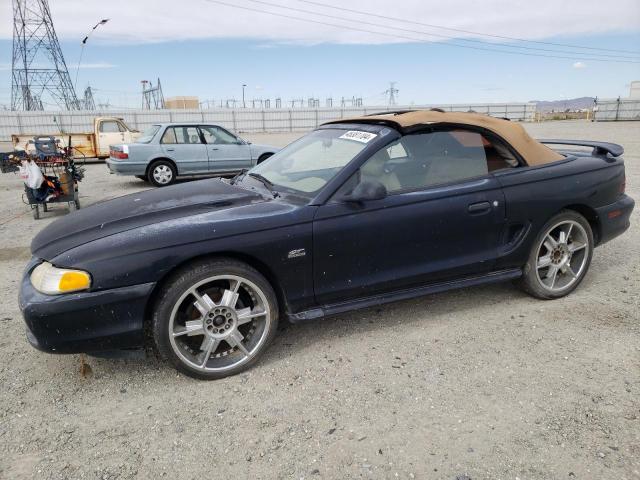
x,y
239,120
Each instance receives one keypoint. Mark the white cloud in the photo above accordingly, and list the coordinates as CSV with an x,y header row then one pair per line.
x,y
143,21
579,65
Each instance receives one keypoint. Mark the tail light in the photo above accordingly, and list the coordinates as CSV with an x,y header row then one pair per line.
x,y
119,155
623,185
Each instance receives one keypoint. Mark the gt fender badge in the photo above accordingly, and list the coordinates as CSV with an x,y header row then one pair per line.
x,y
299,252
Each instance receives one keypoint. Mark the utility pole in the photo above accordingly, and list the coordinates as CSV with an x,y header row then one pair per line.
x,y
392,91
38,68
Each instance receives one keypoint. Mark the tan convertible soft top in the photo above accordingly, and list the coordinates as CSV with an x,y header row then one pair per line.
x,y
513,133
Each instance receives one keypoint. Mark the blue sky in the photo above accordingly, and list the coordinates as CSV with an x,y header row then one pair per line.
x,y
296,60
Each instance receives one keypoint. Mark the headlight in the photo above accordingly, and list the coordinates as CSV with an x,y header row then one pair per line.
x,y
52,280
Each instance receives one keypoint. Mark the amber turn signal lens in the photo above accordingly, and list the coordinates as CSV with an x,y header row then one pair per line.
x,y
72,281
53,281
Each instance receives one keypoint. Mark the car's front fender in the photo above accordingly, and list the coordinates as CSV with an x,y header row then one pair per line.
x,y
259,150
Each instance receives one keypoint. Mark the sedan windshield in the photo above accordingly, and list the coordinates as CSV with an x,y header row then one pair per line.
x,y
148,134
306,165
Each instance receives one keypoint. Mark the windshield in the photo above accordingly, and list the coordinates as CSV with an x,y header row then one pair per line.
x,y
148,134
306,165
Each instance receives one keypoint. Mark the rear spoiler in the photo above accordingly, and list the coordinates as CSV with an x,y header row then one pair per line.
x,y
599,148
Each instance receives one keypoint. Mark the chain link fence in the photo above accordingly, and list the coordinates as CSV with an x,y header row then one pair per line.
x,y
239,120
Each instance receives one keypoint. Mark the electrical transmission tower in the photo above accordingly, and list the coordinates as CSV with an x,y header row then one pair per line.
x,y
39,72
152,97
392,91
88,103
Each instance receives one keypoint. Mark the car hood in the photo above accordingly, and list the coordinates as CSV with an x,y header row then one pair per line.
x,y
137,210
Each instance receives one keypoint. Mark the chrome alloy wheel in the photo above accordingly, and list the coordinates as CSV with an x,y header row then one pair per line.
x,y
562,256
162,174
219,323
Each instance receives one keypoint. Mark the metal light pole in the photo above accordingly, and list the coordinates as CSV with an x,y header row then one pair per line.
x,y
244,105
84,42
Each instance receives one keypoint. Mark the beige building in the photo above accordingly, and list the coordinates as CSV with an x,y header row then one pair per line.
x,y
182,103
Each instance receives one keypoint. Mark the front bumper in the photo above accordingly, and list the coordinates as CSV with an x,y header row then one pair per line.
x,y
123,167
614,219
84,321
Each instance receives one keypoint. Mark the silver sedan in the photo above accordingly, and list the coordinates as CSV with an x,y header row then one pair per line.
x,y
166,151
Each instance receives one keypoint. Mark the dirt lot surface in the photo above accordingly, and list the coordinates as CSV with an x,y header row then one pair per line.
x,y
483,383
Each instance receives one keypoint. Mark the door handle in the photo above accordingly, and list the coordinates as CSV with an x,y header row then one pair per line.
x,y
478,208
215,148
170,149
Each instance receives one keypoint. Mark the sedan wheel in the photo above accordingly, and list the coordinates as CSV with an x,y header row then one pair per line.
x,y
161,173
219,321
560,258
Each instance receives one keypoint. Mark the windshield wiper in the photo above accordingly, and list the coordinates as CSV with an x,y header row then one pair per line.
x,y
266,182
238,176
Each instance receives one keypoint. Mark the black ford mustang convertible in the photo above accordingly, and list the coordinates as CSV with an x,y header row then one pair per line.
x,y
356,213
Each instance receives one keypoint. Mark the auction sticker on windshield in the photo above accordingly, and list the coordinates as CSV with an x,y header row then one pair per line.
x,y
363,137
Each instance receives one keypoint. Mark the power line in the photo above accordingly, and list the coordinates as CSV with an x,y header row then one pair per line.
x,y
503,37
84,43
414,39
481,42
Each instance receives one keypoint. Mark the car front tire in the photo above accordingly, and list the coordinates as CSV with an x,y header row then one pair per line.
x,y
215,318
559,258
162,173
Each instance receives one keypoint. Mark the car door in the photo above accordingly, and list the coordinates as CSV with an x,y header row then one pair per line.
x,y
127,134
226,151
183,144
110,132
441,219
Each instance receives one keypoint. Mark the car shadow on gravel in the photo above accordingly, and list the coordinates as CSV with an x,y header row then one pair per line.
x,y
293,339
404,314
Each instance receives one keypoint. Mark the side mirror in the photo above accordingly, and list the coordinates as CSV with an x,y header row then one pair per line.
x,y
366,190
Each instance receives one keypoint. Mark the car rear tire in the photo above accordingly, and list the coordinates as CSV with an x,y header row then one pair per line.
x,y
214,318
559,258
162,173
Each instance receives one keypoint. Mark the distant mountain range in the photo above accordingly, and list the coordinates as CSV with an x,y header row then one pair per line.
x,y
562,105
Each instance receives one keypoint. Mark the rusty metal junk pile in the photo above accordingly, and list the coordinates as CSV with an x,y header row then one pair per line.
x,y
49,172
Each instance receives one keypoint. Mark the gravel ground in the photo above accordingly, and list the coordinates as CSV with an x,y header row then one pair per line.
x,y
482,383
